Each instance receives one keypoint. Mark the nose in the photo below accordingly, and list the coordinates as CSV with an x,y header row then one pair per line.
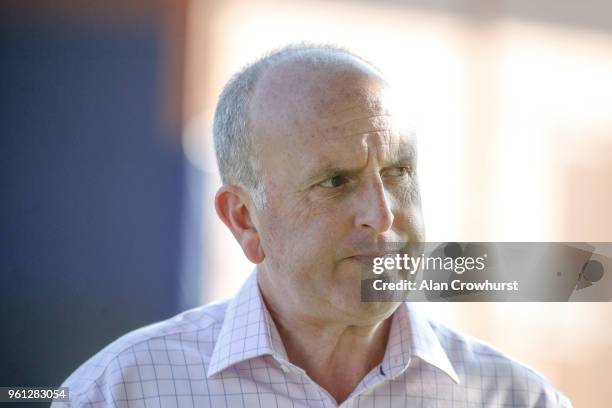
x,y
375,210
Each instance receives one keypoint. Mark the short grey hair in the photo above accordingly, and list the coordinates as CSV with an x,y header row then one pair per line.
x,y
234,146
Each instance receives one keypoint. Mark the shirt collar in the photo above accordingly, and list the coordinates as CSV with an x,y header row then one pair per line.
x,y
411,335
248,332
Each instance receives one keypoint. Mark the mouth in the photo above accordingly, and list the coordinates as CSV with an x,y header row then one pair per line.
x,y
366,264
367,259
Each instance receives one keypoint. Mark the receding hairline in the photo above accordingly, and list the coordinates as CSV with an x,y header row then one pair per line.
x,y
312,54
308,59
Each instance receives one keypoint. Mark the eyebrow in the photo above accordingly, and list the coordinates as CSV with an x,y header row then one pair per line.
x,y
403,158
328,171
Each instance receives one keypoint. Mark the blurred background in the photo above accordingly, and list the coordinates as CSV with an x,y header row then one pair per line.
x,y
107,221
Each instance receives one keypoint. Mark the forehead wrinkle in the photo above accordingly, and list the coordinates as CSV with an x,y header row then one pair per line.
x,y
370,103
382,115
397,148
373,122
389,132
386,155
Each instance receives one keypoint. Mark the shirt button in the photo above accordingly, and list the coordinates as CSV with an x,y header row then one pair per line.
x,y
286,369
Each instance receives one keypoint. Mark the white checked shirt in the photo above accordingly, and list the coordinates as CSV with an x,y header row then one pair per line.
x,y
231,355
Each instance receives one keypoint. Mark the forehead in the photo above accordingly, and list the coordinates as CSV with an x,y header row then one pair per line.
x,y
350,135
302,93
303,118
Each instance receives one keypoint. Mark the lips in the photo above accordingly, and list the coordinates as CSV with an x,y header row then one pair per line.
x,y
365,264
367,259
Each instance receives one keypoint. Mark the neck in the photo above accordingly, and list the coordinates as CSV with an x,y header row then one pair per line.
x,y
337,358
335,355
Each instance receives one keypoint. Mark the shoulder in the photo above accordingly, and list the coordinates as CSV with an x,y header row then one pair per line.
x,y
481,366
146,353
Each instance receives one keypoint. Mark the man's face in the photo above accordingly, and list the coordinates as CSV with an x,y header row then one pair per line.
x,y
339,171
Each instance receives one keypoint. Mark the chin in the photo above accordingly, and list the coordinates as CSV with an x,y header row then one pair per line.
x,y
346,296
374,312
351,271
363,313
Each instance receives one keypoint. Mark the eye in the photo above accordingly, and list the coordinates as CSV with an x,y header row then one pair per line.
x,y
334,182
397,171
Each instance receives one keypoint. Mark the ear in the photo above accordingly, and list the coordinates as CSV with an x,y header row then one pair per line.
x,y
231,205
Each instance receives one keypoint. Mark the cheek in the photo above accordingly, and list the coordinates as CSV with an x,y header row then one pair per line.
x,y
302,238
407,193
410,220
284,236
408,213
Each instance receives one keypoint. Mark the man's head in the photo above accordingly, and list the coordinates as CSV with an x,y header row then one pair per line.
x,y
318,170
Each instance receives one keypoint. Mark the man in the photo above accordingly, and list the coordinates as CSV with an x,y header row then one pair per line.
x,y
318,171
